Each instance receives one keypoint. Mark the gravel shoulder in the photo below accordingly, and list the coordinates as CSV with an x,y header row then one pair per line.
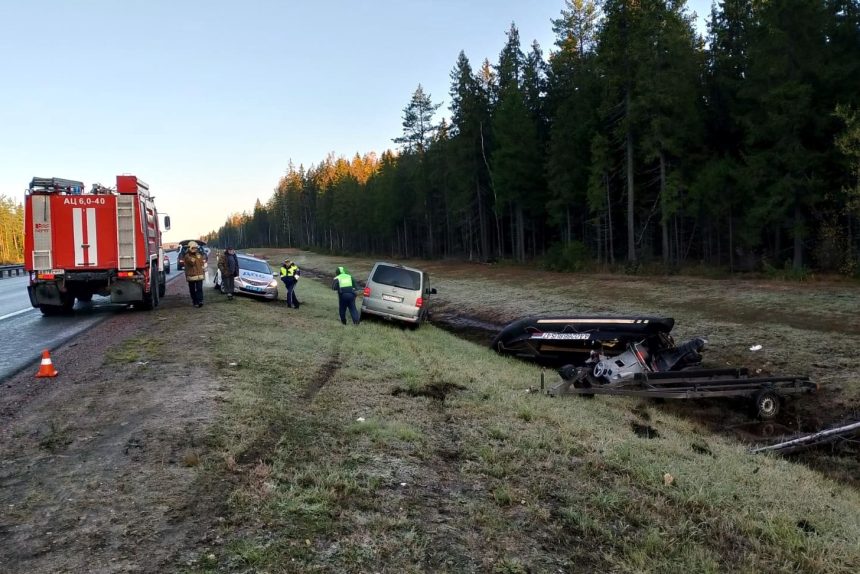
x,y
98,469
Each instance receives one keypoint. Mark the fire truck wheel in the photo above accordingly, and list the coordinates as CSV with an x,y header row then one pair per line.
x,y
52,310
66,307
162,288
150,300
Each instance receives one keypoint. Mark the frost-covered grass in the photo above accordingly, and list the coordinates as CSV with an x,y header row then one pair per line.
x,y
340,464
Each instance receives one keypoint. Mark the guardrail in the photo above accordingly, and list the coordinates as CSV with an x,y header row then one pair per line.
x,y
9,270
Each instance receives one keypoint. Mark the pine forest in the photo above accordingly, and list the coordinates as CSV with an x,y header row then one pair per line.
x,y
633,141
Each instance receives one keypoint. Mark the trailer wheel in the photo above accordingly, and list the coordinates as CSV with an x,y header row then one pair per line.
x,y
586,382
767,404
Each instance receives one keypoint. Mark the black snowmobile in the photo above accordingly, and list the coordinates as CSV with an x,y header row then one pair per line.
x,y
580,340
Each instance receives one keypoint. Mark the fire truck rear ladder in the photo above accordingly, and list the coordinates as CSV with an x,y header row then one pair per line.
x,y
125,231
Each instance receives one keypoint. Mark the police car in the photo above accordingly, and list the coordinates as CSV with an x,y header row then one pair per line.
x,y
255,278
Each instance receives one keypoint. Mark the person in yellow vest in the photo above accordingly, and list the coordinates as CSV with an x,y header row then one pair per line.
x,y
290,276
345,287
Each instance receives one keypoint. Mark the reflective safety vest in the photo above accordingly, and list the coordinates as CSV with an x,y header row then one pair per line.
x,y
289,272
344,281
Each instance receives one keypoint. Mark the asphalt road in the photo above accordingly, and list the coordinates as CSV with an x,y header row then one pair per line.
x,y
26,332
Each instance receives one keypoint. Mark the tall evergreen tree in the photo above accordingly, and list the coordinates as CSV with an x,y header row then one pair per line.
x,y
418,126
572,101
784,135
617,65
516,159
469,116
848,143
719,188
669,89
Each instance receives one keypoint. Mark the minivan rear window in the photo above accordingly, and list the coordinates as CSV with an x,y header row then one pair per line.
x,y
397,277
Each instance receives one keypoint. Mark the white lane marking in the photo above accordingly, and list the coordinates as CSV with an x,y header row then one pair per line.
x,y
21,312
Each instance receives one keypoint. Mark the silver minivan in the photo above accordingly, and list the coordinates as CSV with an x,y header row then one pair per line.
x,y
398,293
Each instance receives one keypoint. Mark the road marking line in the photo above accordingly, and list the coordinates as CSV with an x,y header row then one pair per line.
x,y
16,313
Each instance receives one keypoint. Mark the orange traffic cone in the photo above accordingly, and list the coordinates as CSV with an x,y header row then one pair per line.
x,y
47,367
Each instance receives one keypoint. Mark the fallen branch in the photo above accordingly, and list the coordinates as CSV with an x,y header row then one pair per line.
x,y
810,440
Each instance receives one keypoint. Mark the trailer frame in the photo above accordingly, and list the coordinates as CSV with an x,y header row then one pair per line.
x,y
767,392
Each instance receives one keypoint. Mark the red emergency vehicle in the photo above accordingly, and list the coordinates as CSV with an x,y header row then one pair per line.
x,y
105,242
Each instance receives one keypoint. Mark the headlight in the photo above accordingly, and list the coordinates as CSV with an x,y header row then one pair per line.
x,y
239,281
273,283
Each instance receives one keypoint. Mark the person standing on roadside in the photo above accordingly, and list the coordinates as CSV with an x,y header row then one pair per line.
x,y
290,276
229,272
195,273
345,287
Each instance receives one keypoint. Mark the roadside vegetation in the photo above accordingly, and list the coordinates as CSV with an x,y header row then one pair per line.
x,y
11,230
375,448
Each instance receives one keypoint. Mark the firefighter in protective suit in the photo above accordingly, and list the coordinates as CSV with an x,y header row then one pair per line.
x,y
290,276
195,272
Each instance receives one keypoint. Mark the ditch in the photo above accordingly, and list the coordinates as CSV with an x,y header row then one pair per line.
x,y
728,417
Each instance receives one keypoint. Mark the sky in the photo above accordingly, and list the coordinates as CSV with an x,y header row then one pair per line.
x,y
209,100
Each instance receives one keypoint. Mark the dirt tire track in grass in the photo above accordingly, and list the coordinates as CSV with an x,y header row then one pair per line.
x,y
325,374
442,497
262,449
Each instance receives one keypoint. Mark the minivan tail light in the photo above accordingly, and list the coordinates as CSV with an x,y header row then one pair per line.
x,y
367,291
419,302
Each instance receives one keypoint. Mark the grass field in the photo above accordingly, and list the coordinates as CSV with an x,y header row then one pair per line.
x,y
378,449
810,328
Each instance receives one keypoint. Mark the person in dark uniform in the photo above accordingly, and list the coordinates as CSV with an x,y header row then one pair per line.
x,y
229,267
345,287
290,276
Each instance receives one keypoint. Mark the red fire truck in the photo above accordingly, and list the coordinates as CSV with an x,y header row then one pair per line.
x,y
105,242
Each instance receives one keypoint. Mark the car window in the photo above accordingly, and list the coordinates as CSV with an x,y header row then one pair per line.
x,y
397,277
254,265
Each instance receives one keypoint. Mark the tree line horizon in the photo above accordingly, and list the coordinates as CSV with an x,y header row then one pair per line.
x,y
635,141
